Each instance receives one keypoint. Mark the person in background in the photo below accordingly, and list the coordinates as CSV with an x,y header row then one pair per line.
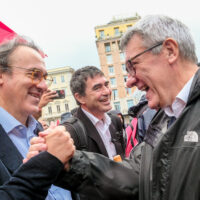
x,y
93,95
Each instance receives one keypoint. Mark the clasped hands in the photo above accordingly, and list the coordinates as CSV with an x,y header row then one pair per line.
x,y
55,140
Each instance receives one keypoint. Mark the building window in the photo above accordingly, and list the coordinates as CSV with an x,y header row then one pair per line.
x,y
109,58
113,81
107,47
128,91
122,56
115,94
58,108
62,79
101,33
117,106
114,46
117,33
66,107
111,69
130,103
129,27
125,78
123,67
54,80
49,109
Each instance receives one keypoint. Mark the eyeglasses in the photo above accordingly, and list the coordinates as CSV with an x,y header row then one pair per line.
x,y
129,64
36,75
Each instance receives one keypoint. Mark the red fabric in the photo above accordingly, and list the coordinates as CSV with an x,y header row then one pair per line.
x,y
58,122
131,133
6,33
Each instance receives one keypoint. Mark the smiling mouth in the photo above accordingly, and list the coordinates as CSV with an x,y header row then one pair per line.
x,y
35,95
105,100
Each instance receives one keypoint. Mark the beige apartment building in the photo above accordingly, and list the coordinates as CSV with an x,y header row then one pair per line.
x,y
61,81
112,61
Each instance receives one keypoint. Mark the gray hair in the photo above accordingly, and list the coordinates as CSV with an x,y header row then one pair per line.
x,y
156,28
79,78
7,48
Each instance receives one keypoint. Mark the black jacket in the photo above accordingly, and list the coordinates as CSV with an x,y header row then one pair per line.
x,y
95,143
165,166
33,179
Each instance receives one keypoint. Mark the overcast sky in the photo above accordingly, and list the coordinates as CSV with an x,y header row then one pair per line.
x,y
64,29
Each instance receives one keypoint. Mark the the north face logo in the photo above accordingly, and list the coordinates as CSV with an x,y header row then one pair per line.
x,y
191,136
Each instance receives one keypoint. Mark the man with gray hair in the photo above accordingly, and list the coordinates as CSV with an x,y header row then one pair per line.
x,y
160,57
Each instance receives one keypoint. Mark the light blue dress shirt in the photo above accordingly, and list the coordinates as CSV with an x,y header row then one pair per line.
x,y
20,136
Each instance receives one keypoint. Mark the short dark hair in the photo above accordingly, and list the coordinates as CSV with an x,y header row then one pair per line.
x,y
79,78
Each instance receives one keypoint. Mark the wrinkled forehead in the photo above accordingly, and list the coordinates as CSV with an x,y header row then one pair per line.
x,y
27,57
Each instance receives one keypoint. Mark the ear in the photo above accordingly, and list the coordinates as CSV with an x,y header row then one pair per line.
x,y
172,50
79,98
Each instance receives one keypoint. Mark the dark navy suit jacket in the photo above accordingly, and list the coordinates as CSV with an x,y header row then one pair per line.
x,y
32,180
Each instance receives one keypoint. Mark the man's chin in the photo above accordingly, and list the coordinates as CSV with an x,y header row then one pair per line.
x,y
34,110
107,108
153,105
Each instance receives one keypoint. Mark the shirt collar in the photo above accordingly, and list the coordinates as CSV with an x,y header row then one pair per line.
x,y
95,120
8,122
180,101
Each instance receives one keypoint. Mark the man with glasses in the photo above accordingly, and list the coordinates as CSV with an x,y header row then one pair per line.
x,y
23,80
160,57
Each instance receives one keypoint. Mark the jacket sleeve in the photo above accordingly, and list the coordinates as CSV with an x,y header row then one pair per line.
x,y
92,174
33,179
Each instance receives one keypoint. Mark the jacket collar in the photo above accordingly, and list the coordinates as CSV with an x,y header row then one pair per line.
x,y
91,131
9,154
195,88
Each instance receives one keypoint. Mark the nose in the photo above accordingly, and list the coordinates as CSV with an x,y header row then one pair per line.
x,y
131,81
106,90
42,85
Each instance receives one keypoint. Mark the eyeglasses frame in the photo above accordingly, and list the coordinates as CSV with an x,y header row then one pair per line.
x,y
129,62
43,76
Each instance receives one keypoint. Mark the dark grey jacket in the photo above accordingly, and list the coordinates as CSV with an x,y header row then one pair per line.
x,y
164,167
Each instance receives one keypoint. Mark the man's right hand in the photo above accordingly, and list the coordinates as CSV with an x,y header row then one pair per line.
x,y
60,144
56,140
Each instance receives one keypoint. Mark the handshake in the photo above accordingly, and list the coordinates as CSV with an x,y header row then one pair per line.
x,y
56,141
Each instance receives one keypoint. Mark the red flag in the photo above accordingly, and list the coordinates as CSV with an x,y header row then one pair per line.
x,y
6,33
58,122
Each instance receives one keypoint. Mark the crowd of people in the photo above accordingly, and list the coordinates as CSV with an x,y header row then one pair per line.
x,y
39,162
